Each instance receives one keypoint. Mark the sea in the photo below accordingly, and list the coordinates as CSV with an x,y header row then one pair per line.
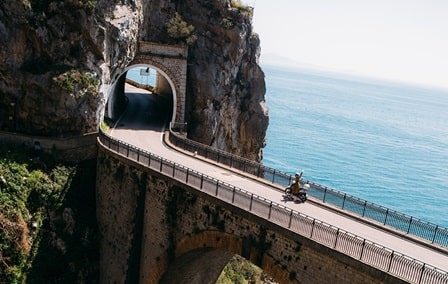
x,y
380,141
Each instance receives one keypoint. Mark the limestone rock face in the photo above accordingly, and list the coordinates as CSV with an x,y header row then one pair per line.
x,y
57,59
228,106
225,87
55,56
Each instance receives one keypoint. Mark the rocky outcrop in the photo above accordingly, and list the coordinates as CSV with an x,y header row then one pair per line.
x,y
57,57
225,87
228,108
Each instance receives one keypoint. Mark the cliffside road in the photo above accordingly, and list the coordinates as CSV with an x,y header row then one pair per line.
x,y
139,128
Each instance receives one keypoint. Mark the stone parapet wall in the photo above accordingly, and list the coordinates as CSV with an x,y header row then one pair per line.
x,y
75,148
163,49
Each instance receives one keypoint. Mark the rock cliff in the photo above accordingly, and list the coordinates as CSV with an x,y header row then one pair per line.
x,y
57,57
54,58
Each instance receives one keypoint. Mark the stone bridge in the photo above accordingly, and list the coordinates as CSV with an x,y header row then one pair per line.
x,y
154,213
149,220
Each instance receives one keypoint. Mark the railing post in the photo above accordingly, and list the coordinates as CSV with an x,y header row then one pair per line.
x,y
217,185
174,169
202,181
251,198
343,201
364,209
312,228
362,248
186,178
336,240
409,227
138,155
161,165
421,274
385,218
270,209
325,194
435,233
233,195
273,176
290,219
390,261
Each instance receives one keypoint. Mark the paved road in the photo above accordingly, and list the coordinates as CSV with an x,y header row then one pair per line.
x,y
140,128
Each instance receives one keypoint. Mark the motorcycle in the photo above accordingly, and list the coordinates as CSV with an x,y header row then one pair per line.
x,y
300,196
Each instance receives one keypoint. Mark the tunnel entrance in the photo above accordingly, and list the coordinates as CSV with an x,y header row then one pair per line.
x,y
142,79
170,64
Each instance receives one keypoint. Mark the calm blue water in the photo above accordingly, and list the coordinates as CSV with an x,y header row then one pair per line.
x,y
383,142
134,74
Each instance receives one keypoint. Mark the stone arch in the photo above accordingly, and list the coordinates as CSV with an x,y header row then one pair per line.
x,y
167,75
168,60
217,248
171,61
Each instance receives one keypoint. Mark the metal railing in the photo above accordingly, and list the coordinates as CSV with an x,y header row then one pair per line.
x,y
373,254
405,223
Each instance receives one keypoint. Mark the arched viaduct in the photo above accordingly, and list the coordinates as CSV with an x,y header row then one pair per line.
x,y
148,220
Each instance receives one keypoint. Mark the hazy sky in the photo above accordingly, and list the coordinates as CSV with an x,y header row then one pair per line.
x,y
404,40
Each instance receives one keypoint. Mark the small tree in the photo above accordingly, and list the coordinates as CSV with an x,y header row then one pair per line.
x,y
179,29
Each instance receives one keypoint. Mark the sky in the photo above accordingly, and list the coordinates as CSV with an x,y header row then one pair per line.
x,y
398,40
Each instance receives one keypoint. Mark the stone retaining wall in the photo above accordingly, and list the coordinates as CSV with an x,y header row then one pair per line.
x,y
76,148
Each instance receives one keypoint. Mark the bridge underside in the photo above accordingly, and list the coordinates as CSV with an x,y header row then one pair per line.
x,y
203,265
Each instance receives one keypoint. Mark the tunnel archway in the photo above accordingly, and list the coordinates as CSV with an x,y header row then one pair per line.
x,y
168,60
164,87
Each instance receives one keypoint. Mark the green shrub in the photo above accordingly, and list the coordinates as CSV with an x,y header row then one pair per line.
x,y
178,29
29,186
239,270
74,81
104,126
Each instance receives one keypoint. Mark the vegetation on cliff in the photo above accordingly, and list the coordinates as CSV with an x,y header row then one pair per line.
x,y
177,28
241,271
47,233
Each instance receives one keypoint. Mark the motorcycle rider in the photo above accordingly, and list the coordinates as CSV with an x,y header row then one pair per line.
x,y
295,187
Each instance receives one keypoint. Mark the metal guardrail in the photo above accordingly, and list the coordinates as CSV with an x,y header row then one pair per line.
x,y
373,254
405,223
